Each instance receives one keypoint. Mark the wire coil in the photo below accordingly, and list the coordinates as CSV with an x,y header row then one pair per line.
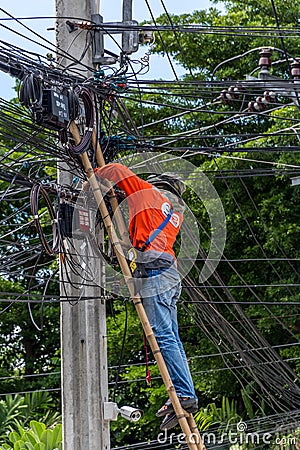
x,y
37,191
89,115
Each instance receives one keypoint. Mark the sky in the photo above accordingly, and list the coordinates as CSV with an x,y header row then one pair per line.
x,y
111,10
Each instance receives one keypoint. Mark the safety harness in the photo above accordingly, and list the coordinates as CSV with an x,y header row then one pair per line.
x,y
157,231
138,268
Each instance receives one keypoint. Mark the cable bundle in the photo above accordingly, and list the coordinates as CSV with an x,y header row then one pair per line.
x,y
31,94
85,95
36,191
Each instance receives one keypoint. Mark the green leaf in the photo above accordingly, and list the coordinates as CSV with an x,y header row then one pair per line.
x,y
248,404
57,434
14,437
20,445
37,428
30,437
40,446
29,446
47,438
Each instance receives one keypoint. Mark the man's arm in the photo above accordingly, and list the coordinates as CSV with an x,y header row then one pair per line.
x,y
123,177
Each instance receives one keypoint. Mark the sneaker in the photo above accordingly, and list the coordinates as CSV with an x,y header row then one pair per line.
x,y
189,404
165,409
170,421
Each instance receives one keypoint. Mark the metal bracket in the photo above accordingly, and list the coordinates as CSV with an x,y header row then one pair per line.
x,y
111,411
98,43
130,38
285,88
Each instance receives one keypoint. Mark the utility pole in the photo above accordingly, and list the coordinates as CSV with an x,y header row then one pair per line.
x,y
83,323
85,407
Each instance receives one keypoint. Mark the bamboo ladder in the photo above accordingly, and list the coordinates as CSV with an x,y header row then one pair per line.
x,y
186,420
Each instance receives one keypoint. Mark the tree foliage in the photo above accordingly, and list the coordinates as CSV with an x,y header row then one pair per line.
x,y
17,412
37,437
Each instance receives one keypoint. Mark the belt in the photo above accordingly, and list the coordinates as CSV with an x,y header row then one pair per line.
x,y
159,263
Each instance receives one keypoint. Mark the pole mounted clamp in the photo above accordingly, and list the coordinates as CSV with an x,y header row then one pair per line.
x,y
130,39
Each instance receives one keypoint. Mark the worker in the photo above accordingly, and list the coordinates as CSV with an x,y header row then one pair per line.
x,y
155,217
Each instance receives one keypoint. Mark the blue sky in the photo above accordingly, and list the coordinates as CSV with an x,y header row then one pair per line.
x,y
111,10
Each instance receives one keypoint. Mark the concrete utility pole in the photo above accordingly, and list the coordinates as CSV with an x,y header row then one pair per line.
x,y
83,323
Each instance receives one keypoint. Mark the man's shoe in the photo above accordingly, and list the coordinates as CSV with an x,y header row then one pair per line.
x,y
165,409
170,421
188,404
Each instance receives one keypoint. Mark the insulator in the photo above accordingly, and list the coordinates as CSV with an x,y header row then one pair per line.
x,y
232,93
295,69
85,25
224,96
146,37
270,96
263,100
261,103
251,106
265,59
255,107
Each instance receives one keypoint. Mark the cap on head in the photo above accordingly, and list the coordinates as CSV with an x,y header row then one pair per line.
x,y
169,181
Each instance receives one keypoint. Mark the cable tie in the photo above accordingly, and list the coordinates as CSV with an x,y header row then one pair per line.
x,y
88,129
54,221
36,216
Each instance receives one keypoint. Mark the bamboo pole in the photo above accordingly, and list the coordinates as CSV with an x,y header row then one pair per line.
x,y
137,301
195,433
111,195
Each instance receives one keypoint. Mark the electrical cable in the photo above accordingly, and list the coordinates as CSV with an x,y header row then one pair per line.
x,y
36,191
254,360
161,39
186,28
85,95
260,379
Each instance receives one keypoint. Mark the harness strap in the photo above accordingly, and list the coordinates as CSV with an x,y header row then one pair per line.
x,y
157,231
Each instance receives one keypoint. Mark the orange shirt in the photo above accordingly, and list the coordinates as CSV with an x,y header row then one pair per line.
x,y
148,208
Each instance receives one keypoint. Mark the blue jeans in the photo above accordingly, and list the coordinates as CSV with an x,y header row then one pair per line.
x,y
160,292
